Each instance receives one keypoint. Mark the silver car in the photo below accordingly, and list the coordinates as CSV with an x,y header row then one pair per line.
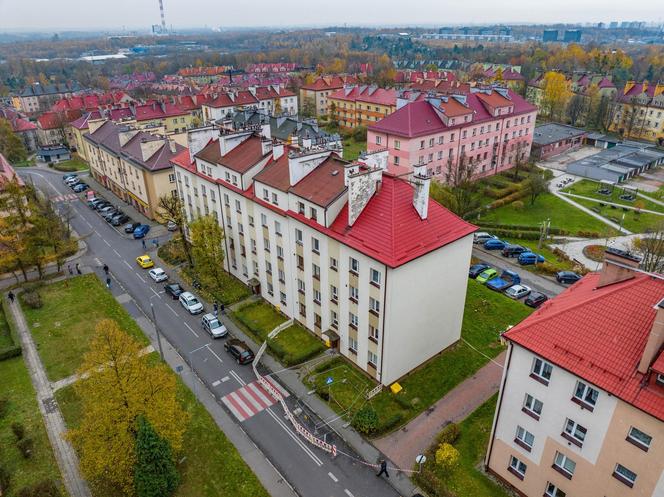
x,y
213,326
517,291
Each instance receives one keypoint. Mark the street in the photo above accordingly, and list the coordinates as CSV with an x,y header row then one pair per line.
x,y
312,472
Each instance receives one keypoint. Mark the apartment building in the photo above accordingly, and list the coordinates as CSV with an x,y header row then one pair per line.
x,y
53,127
21,127
581,404
361,258
640,112
354,106
492,128
38,97
582,84
316,93
134,164
271,99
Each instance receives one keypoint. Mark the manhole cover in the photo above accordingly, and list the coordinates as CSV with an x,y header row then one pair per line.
x,y
50,405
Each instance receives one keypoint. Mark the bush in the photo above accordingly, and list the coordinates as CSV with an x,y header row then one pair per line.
x,y
517,205
360,134
46,488
389,423
19,430
365,420
523,235
402,401
33,300
5,479
518,195
430,482
447,457
25,446
449,434
10,352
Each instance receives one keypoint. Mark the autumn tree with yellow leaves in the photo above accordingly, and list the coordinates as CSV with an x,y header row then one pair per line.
x,y
119,387
556,94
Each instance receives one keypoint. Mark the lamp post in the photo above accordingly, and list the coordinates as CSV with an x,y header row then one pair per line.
x,y
156,327
191,366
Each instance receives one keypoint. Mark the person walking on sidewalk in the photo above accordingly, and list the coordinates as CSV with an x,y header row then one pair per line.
x,y
108,283
10,296
106,269
216,309
383,469
143,243
78,269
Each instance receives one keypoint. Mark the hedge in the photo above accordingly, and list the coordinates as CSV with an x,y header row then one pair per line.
x,y
521,235
520,227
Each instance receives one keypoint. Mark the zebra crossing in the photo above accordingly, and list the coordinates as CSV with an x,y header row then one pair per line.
x,y
251,399
65,198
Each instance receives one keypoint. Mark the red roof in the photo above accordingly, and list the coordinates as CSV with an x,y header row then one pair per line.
x,y
240,159
329,83
599,334
53,120
82,122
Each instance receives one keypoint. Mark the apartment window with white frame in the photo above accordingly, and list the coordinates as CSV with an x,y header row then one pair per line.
x,y
282,276
266,244
372,358
298,236
373,333
375,277
315,271
300,208
238,207
300,286
524,438
353,293
315,244
268,267
541,371
270,288
240,228
564,465
266,194
354,265
532,406
377,140
313,213
264,220
574,432
227,200
277,228
317,296
275,200
333,263
517,467
334,293
374,305
552,491
334,319
352,344
228,176
256,268
640,439
585,395
397,145
280,252
353,320
625,475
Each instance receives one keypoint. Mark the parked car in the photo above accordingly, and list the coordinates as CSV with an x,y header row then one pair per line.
x,y
527,258
141,231
567,277
191,303
476,269
482,237
119,219
72,180
535,299
494,244
513,250
213,326
100,205
517,292
129,228
504,281
105,209
111,214
171,226
92,202
67,176
174,290
239,350
144,261
80,187
158,274
486,275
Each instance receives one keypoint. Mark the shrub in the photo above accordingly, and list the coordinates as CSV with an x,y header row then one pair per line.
x,y
10,352
365,420
4,404
594,252
449,434
25,446
46,488
32,299
547,267
430,482
447,457
389,423
19,430
5,479
517,205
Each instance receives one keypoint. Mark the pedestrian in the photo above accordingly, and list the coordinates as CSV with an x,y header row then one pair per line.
x,y
143,243
383,469
78,269
216,308
222,308
10,295
106,268
71,272
155,243
108,283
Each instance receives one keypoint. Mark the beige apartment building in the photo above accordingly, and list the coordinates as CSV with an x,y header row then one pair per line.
x,y
316,93
361,258
134,164
581,405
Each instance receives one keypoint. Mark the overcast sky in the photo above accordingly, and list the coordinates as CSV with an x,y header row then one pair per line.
x,y
60,15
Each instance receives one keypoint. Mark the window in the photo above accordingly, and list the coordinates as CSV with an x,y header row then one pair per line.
x,y
532,406
226,199
334,319
352,345
352,320
574,432
256,268
334,293
374,305
266,244
317,296
421,144
268,267
333,263
564,465
372,358
317,321
263,220
553,491
303,310
266,194
270,288
300,286
639,438
517,467
524,438
300,208
280,252
277,228
397,145
354,293
300,262
354,265
240,228
660,379
298,236
282,276
252,243
238,206
541,371
377,140
315,271
313,213
315,245
373,333
585,396
627,476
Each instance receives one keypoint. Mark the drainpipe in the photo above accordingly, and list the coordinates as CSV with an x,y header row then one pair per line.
x,y
500,403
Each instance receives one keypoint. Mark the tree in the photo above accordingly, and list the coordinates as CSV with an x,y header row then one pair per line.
x,y
576,108
119,384
651,249
520,159
171,208
308,107
155,474
555,94
458,192
207,251
447,457
537,184
11,146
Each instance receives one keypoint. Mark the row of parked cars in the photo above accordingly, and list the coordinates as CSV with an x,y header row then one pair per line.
x,y
116,217
507,282
74,182
210,323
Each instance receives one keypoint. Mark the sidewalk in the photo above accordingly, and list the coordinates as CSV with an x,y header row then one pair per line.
x,y
53,420
574,249
405,444
622,206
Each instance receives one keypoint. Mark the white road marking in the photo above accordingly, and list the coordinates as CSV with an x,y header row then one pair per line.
x,y
191,329
237,377
334,478
225,379
155,292
140,277
88,223
127,264
172,310
348,493
257,391
97,232
106,242
213,353
214,384
295,438
117,253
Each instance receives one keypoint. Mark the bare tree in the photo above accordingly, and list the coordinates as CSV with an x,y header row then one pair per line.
x,y
173,210
651,249
521,159
537,184
576,108
460,185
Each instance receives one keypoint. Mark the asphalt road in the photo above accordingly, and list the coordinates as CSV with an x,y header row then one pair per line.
x,y
311,471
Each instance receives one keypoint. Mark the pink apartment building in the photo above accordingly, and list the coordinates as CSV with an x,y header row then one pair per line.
x,y
491,127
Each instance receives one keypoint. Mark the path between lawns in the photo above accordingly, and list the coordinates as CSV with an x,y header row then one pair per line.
x,y
405,444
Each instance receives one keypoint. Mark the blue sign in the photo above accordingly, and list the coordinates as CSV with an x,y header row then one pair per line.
x,y
179,369
329,380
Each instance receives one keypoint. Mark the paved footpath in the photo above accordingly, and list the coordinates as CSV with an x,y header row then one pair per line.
x,y
404,445
55,424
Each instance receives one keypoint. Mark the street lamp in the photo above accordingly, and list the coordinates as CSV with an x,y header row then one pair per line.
x,y
191,365
156,327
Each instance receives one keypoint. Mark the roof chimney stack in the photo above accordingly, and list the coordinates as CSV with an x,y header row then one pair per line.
x,y
421,182
618,266
655,340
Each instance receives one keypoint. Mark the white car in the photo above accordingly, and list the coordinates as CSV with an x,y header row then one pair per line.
x,y
213,326
191,303
482,237
158,274
517,291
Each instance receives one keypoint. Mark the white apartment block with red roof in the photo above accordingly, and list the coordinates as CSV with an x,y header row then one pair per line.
x,y
490,128
581,405
274,99
361,258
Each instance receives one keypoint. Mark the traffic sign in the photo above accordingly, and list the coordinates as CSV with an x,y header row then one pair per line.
x,y
329,380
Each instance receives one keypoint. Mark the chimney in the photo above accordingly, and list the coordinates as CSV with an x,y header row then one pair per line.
x,y
362,184
125,136
277,150
655,340
266,146
303,163
421,182
618,266
350,169
266,131
172,146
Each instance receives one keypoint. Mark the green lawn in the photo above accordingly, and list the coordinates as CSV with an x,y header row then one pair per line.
x,y
22,408
68,166
6,339
64,325
227,291
559,263
486,315
291,346
353,148
466,479
24,163
636,223
562,215
588,188
210,465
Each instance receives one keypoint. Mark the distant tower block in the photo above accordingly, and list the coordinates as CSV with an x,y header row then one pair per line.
x,y
163,18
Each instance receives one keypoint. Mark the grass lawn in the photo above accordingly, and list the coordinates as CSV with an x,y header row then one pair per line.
x,y
228,291
486,315
588,188
545,251
563,215
22,408
24,163
353,148
211,467
466,479
291,346
636,223
6,339
68,166
64,325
